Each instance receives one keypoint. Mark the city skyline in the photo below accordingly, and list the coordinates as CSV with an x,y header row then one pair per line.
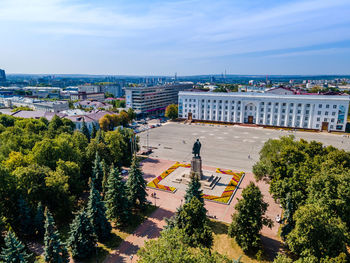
x,y
187,37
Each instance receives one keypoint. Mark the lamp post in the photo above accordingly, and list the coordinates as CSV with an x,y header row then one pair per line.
x,y
96,247
155,199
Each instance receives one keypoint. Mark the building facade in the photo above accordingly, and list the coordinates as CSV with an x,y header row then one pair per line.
x,y
154,99
296,111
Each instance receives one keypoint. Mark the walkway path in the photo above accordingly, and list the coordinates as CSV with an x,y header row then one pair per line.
x,y
147,230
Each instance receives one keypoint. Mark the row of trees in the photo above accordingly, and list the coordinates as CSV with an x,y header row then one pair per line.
x,y
312,183
48,164
112,202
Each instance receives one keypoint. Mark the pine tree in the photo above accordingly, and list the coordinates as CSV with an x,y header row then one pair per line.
x,y
82,238
116,200
54,251
94,130
193,190
96,212
136,185
97,172
24,218
104,176
39,221
14,250
85,130
192,219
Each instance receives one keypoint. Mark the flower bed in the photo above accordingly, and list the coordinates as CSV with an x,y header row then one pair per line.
x,y
230,188
155,182
224,198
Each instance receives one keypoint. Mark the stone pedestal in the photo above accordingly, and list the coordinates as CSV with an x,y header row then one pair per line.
x,y
196,168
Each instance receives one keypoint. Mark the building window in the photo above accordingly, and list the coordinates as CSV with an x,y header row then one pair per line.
x,y
262,103
317,125
283,111
291,111
299,105
327,106
325,119
307,105
334,106
332,127
283,104
269,103
326,113
319,113
320,106
299,111
220,101
307,111
333,113
318,119
332,120
292,104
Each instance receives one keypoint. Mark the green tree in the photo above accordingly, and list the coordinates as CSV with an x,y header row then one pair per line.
x,y
131,114
82,238
54,251
14,250
24,218
171,111
249,219
194,190
39,221
96,211
192,219
136,185
97,172
116,199
85,131
317,233
94,130
171,247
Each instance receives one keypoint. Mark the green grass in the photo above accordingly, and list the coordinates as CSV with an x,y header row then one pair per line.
x,y
227,246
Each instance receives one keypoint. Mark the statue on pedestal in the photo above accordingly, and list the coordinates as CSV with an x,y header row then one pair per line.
x,y
197,148
196,163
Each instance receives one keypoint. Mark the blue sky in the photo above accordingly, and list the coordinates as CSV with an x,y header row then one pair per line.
x,y
158,37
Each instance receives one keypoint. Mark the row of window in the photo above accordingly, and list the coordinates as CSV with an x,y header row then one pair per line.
x,y
327,106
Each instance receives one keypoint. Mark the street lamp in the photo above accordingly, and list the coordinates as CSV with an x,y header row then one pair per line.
x,y
131,257
155,199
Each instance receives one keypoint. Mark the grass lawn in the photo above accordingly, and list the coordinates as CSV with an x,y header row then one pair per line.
x,y
227,246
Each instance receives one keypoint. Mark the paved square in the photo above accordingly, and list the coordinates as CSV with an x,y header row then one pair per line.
x,y
228,147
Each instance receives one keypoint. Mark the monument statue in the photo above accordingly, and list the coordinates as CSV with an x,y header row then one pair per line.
x,y
197,148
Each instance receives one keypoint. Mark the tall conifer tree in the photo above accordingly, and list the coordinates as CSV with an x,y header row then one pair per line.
x,y
85,131
14,250
82,238
136,185
96,211
54,251
116,200
24,218
39,221
194,190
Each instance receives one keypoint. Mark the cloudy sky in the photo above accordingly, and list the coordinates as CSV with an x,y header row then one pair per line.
x,y
159,37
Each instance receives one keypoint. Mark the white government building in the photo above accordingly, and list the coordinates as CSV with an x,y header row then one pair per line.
x,y
323,112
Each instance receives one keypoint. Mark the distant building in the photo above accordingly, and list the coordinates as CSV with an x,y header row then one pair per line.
x,y
99,96
116,90
154,99
2,75
93,104
323,112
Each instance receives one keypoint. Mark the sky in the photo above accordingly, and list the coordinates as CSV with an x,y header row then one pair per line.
x,y
161,37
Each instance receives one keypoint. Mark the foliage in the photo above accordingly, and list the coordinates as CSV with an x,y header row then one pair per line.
x,y
249,219
82,238
116,198
192,219
136,186
193,190
131,114
24,218
171,111
171,247
14,250
312,183
317,233
54,251
96,211
85,131
22,108
39,221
